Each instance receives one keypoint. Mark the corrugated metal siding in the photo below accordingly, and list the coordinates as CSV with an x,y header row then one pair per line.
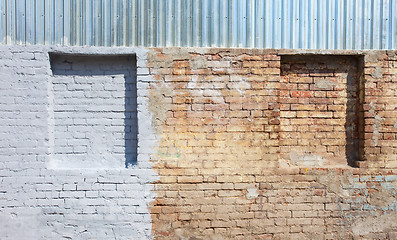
x,y
294,24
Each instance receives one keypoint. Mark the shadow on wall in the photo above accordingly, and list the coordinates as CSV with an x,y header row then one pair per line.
x,y
354,113
95,109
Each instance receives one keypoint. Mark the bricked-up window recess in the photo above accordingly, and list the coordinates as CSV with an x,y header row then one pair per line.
x,y
321,114
94,111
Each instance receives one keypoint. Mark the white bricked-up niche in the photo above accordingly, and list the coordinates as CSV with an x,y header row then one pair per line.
x,y
93,111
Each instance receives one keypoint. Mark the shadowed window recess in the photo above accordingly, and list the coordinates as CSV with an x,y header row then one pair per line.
x,y
93,107
321,118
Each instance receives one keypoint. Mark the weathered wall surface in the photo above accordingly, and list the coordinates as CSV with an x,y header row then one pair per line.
x,y
232,144
259,143
319,106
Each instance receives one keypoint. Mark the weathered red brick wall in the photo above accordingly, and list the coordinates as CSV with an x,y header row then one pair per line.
x,y
257,144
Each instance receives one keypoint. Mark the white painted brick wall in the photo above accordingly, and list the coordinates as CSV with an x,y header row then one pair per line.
x,y
38,202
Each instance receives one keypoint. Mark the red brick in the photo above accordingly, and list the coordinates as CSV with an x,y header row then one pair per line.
x,y
301,94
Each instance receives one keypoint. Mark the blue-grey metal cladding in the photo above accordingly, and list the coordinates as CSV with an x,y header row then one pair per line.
x,y
293,24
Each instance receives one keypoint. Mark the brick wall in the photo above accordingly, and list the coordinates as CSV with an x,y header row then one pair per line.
x,y
232,144
42,198
319,101
380,110
259,144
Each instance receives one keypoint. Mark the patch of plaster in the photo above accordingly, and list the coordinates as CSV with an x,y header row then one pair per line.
x,y
325,84
303,159
377,73
377,125
177,53
371,108
380,198
372,56
198,62
374,224
335,183
395,124
282,163
158,104
252,193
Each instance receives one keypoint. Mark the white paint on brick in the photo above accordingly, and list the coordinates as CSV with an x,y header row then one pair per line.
x,y
238,83
252,193
37,202
95,136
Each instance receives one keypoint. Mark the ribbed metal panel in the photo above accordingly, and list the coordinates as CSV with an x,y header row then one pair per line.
x,y
293,24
